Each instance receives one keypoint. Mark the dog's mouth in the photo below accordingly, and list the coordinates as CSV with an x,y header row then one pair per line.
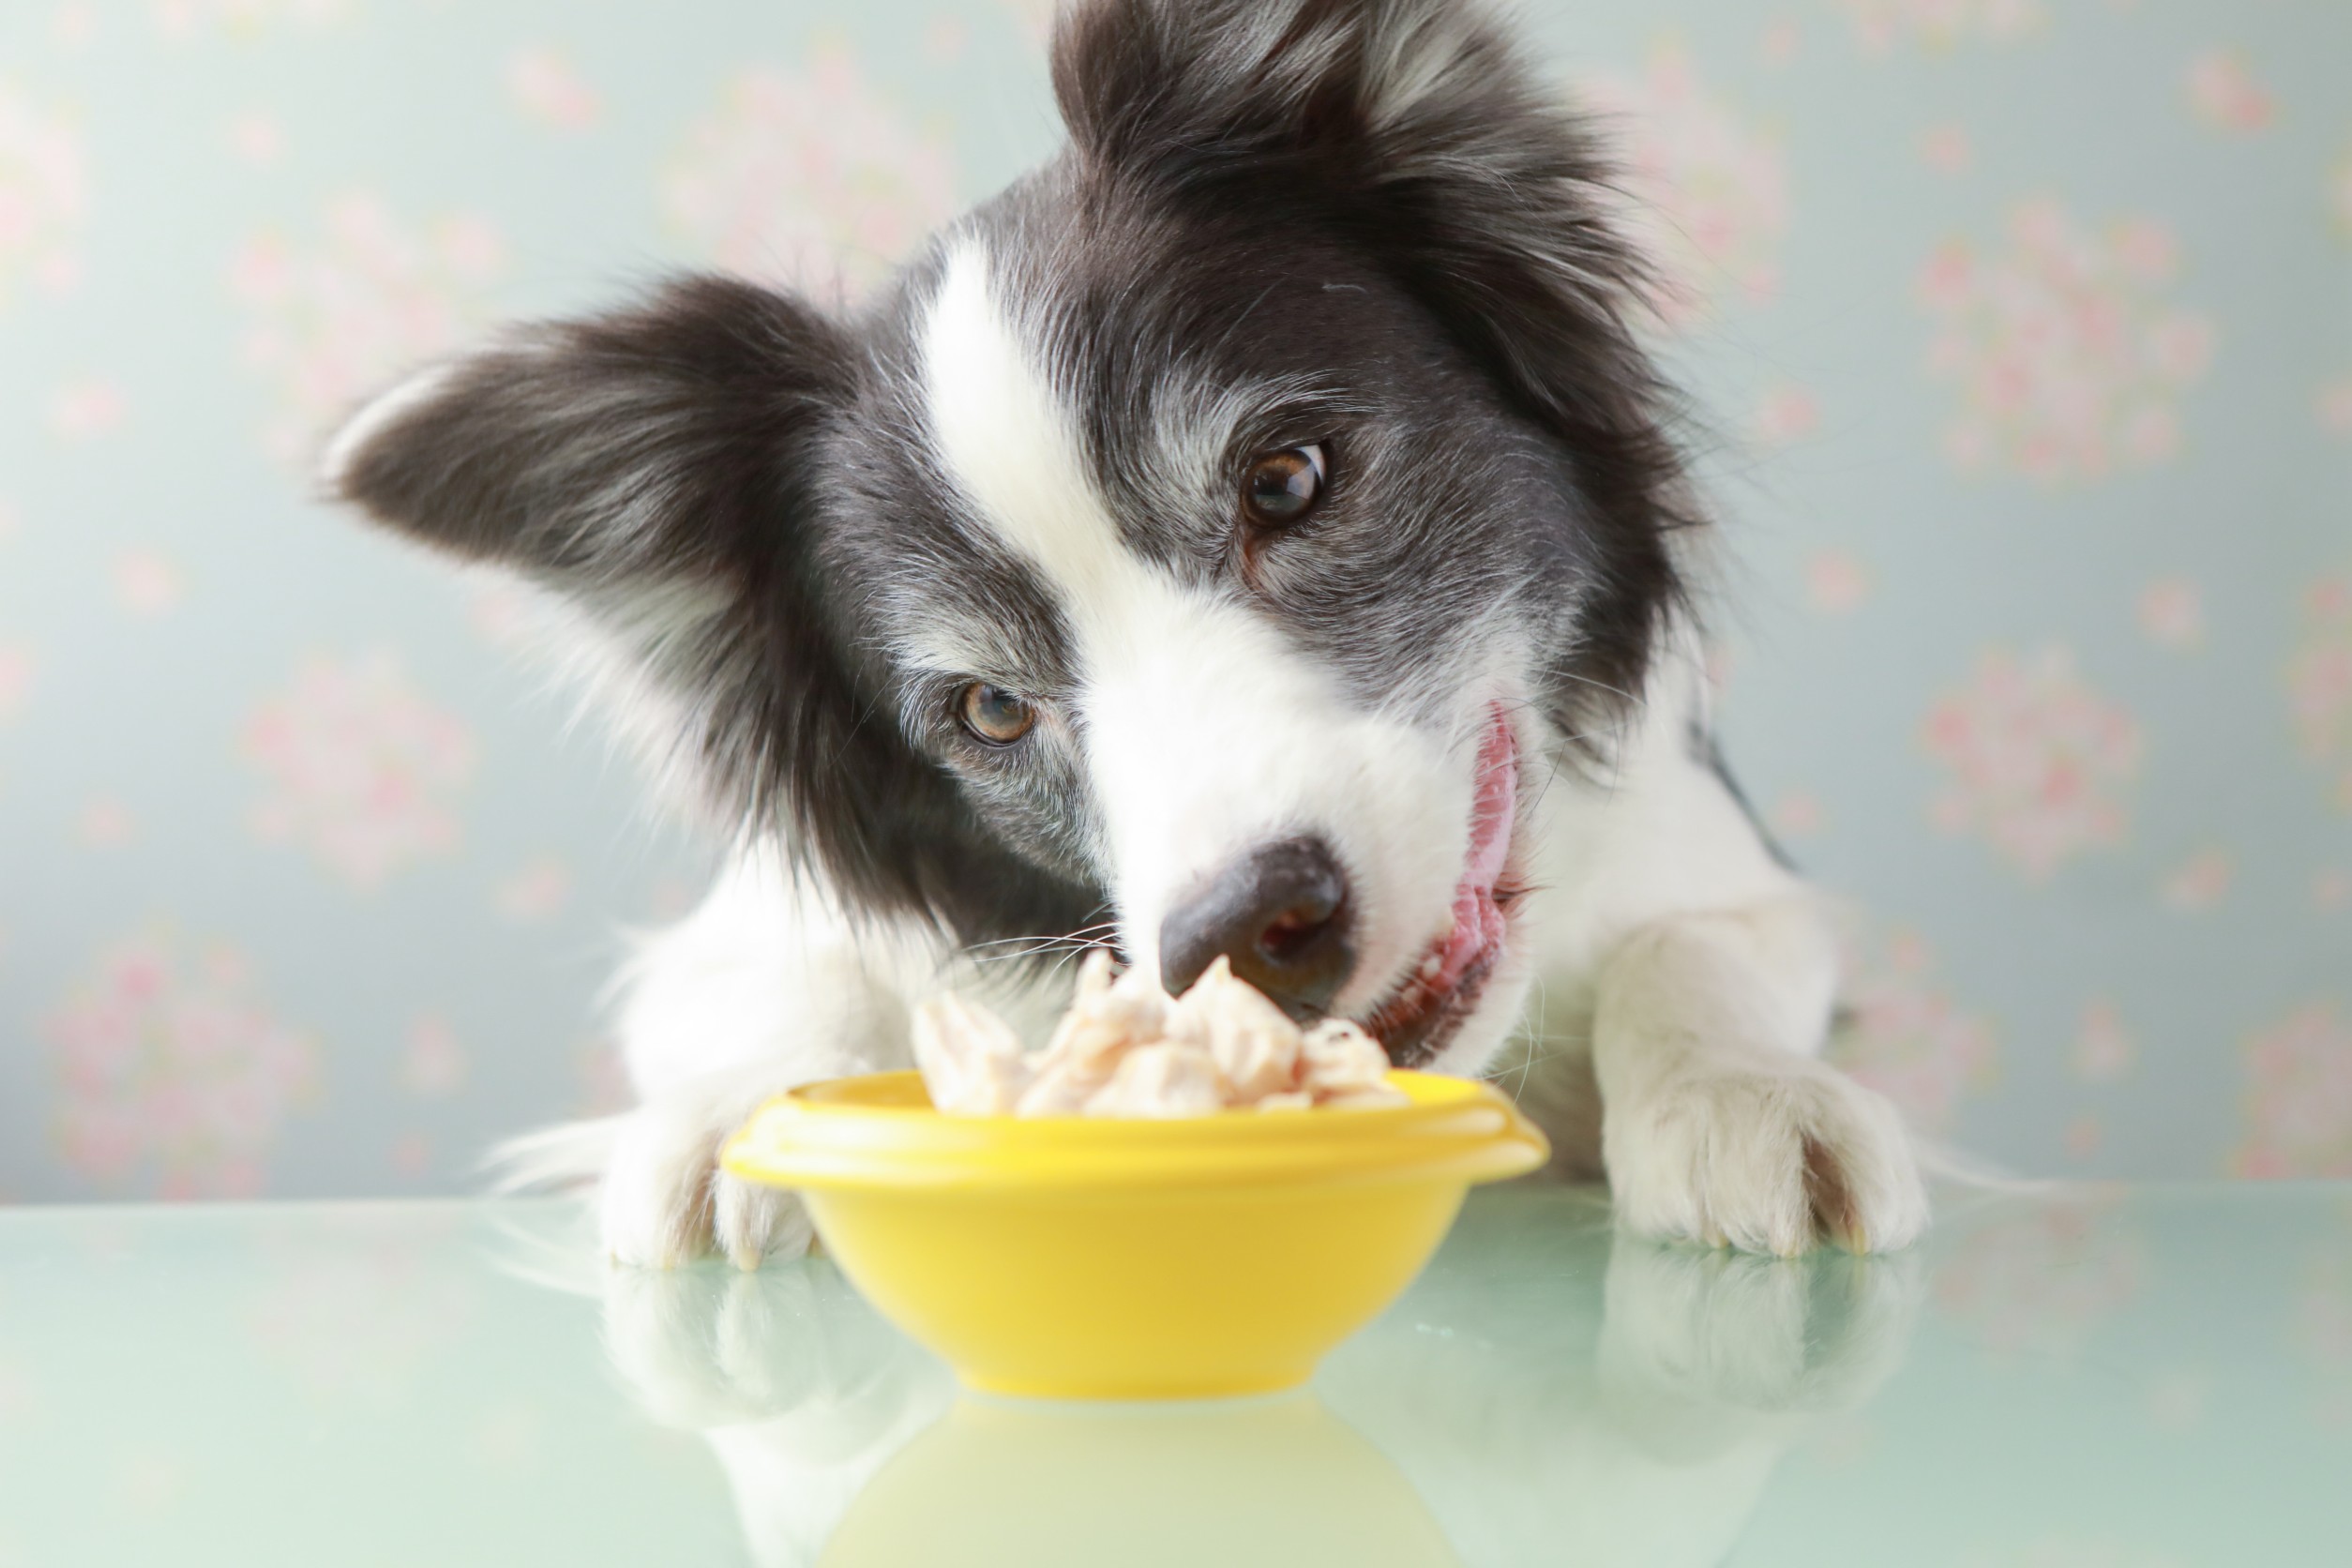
x,y
1441,991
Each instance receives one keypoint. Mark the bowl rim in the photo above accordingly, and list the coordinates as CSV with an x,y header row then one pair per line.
x,y
878,1132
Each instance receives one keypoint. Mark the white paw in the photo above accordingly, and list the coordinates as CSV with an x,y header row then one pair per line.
x,y
1770,1156
665,1201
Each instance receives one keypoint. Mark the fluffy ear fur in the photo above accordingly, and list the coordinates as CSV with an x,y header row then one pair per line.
x,y
672,438
653,471
660,473
1411,130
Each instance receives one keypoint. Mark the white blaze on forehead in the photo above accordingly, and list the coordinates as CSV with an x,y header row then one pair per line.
x,y
1206,732
1007,439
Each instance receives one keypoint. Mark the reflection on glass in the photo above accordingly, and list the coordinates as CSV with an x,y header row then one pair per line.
x,y
1548,1392
1237,1484
1560,1393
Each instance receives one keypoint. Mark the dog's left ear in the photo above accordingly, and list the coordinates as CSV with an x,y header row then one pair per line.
x,y
1412,131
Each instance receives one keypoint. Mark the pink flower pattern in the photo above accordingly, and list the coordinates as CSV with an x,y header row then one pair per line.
x,y
359,769
44,197
547,88
147,584
603,1081
1798,814
105,824
1787,413
1836,582
1034,17
805,178
2331,890
433,1064
535,892
2103,1047
332,324
2334,407
1706,194
2223,94
1947,150
87,407
16,678
2171,612
2068,360
256,137
2038,1286
1880,25
1905,1037
2319,681
2039,761
2200,882
2298,1096
2069,340
168,1063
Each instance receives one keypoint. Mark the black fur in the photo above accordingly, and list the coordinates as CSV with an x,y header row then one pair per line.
x,y
1358,218
689,444
1478,196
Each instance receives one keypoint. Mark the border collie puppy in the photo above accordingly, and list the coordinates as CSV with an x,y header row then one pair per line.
x,y
1258,533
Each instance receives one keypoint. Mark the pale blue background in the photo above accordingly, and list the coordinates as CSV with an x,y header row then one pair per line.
x,y
412,102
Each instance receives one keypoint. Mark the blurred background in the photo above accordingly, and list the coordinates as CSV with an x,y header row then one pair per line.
x,y
2020,332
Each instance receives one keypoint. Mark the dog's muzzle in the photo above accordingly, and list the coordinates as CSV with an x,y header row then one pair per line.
x,y
1279,914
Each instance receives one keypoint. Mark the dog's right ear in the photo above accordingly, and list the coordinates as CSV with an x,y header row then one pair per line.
x,y
661,473
657,473
670,439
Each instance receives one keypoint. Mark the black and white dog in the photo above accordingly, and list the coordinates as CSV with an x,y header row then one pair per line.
x,y
1258,531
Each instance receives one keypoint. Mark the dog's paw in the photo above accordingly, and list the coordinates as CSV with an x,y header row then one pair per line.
x,y
1765,1156
665,1201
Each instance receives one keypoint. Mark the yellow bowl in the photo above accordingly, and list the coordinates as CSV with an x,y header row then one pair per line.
x,y
1088,1258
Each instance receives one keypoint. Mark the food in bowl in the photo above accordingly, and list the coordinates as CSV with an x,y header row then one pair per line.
x,y
1127,1048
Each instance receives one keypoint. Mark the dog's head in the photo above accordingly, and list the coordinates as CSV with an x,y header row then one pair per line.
x,y
1225,529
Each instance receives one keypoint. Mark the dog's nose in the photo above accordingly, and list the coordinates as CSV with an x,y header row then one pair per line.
x,y
1280,913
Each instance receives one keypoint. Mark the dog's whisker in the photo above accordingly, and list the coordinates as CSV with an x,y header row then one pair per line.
x,y
1084,936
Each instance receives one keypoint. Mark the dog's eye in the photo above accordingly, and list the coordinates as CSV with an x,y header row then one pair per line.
x,y
995,715
1282,487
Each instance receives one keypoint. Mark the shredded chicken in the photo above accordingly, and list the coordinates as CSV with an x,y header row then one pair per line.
x,y
1127,1048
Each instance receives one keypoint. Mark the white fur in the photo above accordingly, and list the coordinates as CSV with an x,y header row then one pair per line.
x,y
1670,983
1676,971
1205,734
359,432
767,986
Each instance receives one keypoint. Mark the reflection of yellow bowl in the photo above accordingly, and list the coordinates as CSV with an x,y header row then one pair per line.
x,y
1236,1484
1080,1258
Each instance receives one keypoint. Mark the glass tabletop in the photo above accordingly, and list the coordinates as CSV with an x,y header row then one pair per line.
x,y
2150,1378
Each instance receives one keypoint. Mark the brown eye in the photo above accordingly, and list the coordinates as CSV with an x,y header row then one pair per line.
x,y
995,715
1282,487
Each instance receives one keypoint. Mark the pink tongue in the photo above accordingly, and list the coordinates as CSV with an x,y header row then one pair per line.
x,y
1477,923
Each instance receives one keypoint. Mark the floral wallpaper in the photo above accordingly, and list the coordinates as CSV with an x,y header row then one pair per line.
x,y
2016,332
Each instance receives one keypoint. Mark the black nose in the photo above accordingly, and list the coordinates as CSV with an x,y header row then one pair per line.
x,y
1280,913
